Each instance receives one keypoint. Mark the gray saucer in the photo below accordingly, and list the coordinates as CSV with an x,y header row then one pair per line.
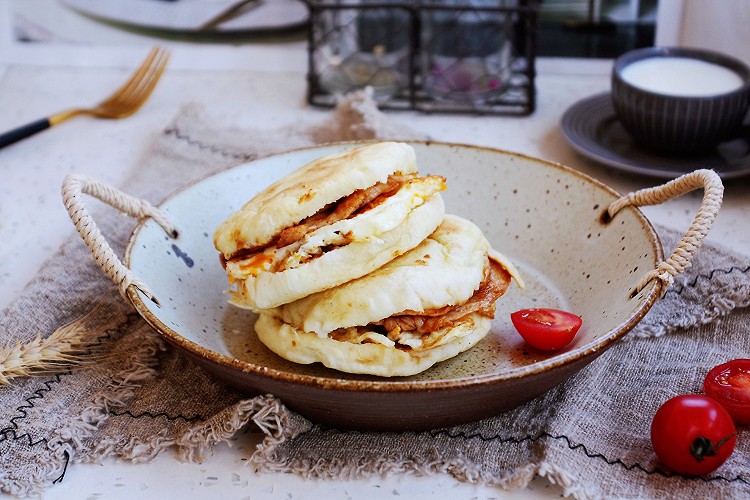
x,y
591,128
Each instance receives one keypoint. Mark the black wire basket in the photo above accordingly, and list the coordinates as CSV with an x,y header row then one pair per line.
x,y
466,56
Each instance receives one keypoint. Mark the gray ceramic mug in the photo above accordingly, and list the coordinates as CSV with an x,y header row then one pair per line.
x,y
680,101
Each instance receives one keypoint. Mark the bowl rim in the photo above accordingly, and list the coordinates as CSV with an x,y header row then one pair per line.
x,y
652,293
711,56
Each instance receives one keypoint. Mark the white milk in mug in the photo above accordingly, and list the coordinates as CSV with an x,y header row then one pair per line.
x,y
681,76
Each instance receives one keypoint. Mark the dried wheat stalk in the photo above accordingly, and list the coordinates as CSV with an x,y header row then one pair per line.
x,y
68,345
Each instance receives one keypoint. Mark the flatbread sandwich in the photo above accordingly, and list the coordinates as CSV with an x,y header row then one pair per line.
x,y
333,220
427,305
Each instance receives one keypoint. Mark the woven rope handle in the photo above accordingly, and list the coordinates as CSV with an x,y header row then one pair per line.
x,y
73,188
713,192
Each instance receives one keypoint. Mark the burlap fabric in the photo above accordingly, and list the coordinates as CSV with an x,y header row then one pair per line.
x,y
591,434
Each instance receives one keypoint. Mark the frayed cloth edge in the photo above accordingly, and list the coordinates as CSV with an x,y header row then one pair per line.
x,y
141,367
32,489
558,477
266,412
718,304
267,458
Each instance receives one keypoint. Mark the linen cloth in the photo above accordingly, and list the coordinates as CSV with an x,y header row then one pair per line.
x,y
590,434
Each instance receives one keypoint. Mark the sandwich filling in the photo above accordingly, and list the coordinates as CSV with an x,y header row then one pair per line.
x,y
360,216
427,305
421,330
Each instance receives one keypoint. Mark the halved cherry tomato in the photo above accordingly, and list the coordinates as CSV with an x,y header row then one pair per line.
x,y
692,434
729,384
546,329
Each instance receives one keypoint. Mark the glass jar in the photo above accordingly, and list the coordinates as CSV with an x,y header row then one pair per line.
x,y
364,47
467,49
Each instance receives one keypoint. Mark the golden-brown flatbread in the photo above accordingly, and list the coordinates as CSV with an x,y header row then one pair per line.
x,y
307,190
354,211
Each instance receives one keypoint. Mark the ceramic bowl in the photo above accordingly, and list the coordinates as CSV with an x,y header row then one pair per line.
x,y
547,218
673,118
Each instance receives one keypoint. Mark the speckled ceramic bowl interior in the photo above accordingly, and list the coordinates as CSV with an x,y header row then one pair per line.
x,y
547,218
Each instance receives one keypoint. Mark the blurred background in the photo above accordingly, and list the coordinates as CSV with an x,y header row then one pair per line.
x,y
608,28
595,28
567,28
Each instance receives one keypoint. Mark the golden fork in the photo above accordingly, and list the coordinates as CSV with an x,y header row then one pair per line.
x,y
123,103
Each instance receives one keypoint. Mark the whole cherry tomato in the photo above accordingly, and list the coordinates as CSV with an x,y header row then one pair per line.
x,y
729,384
546,329
692,434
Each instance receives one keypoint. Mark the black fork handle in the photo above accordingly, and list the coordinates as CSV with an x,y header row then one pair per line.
x,y
24,131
